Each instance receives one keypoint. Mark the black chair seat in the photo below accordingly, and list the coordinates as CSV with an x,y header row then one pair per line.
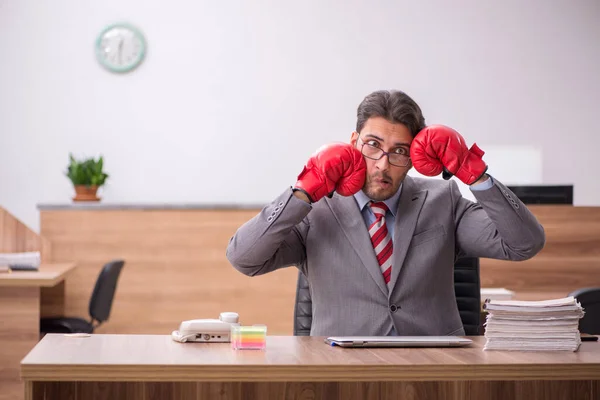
x,y
65,325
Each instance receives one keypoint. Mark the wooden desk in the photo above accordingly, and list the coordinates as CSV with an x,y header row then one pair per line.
x,y
151,366
20,310
48,275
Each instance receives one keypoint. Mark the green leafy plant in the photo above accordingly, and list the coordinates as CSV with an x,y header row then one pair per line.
x,y
86,172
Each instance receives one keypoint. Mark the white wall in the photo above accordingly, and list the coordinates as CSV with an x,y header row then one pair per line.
x,y
235,95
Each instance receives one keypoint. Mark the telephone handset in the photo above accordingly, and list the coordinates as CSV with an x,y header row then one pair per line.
x,y
207,330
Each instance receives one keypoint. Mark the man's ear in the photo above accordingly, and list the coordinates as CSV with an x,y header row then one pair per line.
x,y
354,139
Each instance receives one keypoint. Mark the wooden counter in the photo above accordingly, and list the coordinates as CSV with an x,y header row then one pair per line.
x,y
20,312
176,268
569,260
151,366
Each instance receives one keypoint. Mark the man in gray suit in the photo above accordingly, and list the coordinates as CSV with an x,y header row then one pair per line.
x,y
377,246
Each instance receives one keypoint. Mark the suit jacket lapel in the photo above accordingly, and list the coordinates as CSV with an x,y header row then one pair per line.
x,y
409,206
351,220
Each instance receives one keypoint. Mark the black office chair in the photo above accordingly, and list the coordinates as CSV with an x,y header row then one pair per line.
x,y
590,301
99,308
466,286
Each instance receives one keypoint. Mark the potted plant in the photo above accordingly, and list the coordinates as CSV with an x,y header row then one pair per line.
x,y
87,176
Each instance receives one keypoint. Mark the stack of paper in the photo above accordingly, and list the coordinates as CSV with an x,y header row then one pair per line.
x,y
533,325
31,258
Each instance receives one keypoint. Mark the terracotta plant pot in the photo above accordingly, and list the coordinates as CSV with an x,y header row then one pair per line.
x,y
86,193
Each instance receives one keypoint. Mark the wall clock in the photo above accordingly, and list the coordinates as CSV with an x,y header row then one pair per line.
x,y
120,48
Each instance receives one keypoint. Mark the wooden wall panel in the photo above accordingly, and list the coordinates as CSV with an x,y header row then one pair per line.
x,y
569,260
19,332
176,267
15,236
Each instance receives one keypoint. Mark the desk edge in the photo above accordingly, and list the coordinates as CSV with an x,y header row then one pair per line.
x,y
312,373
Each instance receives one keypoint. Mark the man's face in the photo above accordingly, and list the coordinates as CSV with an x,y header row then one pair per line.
x,y
383,178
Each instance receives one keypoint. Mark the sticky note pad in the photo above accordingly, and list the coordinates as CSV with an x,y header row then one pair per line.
x,y
249,337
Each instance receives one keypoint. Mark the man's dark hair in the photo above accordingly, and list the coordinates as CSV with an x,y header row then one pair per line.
x,y
393,105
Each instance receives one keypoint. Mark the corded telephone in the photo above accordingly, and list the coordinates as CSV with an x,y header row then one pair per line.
x,y
207,330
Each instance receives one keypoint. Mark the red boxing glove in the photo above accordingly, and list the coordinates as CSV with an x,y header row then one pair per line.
x,y
438,148
334,167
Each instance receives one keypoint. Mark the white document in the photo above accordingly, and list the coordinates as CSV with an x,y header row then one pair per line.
x,y
497,294
566,301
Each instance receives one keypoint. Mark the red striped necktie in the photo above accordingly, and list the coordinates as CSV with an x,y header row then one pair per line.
x,y
381,239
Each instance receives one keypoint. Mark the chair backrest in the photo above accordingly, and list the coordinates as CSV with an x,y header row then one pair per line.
x,y
467,289
466,286
104,291
302,307
590,301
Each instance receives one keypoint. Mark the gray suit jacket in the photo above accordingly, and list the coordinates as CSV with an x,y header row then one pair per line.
x,y
435,225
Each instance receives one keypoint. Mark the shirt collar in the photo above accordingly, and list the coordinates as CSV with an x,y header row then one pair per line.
x,y
392,203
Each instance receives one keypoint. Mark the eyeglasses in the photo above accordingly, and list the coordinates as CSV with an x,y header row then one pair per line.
x,y
375,153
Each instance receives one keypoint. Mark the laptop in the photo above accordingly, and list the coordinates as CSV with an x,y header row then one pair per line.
x,y
398,341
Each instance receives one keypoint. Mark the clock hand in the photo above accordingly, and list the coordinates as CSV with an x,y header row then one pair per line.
x,y
120,51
